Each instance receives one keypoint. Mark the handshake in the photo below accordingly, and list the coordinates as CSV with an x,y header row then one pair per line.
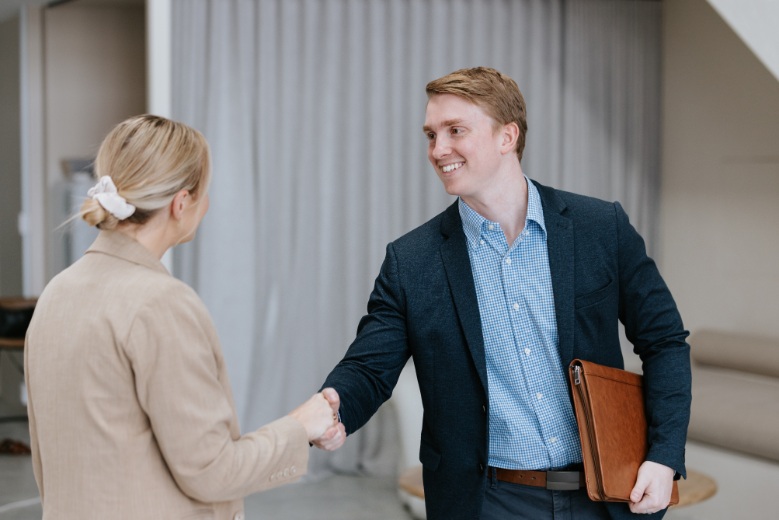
x,y
319,416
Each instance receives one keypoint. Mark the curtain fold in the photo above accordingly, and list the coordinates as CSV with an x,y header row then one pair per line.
x,y
314,110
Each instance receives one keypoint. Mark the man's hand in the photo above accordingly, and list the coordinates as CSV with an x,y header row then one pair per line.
x,y
652,491
319,416
334,437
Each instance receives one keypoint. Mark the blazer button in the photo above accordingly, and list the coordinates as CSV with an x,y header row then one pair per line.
x,y
481,468
484,408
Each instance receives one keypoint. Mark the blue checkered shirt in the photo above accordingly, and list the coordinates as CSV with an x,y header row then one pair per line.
x,y
531,421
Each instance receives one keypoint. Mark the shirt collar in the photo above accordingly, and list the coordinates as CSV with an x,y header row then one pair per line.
x,y
473,223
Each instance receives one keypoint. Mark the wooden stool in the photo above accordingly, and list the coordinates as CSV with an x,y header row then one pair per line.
x,y
12,343
23,307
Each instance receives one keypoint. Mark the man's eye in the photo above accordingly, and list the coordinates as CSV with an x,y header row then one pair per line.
x,y
457,131
430,136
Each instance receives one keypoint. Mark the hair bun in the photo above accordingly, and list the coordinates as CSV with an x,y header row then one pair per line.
x,y
95,215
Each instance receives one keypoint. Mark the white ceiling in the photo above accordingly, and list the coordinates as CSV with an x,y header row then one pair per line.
x,y
755,22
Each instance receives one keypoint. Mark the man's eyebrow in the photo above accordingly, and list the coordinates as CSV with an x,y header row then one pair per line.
x,y
448,122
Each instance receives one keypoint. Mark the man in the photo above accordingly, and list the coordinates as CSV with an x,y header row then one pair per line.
x,y
493,298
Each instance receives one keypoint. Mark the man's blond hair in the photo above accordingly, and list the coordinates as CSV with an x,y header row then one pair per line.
x,y
497,94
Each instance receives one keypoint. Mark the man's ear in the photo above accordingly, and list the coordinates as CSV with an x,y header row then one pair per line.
x,y
509,135
180,202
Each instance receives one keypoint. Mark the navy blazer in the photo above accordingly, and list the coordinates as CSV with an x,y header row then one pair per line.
x,y
424,305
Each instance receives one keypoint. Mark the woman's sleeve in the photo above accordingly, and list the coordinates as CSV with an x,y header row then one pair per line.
x,y
183,388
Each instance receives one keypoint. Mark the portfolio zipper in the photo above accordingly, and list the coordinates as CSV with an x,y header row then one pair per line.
x,y
580,389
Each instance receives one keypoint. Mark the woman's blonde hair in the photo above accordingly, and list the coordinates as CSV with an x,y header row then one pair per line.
x,y
149,159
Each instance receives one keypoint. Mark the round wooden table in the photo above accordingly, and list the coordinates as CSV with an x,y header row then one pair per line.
x,y
697,488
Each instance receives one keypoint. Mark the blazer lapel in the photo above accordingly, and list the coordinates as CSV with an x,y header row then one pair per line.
x,y
457,264
559,244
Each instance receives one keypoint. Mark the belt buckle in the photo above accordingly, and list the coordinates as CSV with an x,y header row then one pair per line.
x,y
562,480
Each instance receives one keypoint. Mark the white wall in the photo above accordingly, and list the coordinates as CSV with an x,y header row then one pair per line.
x,y
719,228
10,160
10,195
719,219
756,23
95,76
85,68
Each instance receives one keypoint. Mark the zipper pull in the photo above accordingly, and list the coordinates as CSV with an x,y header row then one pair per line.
x,y
576,371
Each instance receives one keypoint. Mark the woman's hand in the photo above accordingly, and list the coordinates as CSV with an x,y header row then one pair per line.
x,y
319,416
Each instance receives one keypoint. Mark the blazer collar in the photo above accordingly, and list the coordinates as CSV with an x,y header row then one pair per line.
x,y
120,245
560,248
457,264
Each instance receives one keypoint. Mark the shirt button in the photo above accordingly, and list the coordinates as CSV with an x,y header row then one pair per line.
x,y
490,227
516,306
553,440
481,242
508,261
527,351
539,396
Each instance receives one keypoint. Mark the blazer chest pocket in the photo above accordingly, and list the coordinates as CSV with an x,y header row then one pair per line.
x,y
594,297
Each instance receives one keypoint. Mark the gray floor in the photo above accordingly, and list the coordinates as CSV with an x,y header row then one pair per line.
x,y
337,497
332,498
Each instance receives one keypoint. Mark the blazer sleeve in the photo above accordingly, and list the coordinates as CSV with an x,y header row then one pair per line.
x,y
183,388
654,327
369,371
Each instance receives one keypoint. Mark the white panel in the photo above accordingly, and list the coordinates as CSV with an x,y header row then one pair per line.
x,y
756,23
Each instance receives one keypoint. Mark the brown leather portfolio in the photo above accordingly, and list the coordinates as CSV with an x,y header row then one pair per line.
x,y
609,407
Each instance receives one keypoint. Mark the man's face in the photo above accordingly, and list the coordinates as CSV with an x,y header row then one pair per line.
x,y
463,145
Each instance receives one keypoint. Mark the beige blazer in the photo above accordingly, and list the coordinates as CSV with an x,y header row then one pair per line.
x,y
131,412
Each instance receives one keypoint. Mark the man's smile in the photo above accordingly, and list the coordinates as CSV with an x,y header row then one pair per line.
x,y
451,167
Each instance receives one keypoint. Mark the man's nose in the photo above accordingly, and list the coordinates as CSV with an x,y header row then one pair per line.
x,y
441,147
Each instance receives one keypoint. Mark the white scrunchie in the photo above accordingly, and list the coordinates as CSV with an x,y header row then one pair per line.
x,y
105,193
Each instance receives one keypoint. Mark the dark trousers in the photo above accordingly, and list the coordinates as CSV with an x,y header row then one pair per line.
x,y
508,501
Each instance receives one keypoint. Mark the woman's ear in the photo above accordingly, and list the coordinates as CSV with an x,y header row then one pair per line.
x,y
180,202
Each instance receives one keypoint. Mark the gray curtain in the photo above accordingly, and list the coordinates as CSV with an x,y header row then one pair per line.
x,y
314,110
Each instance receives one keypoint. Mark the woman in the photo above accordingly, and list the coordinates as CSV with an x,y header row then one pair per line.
x,y
131,412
